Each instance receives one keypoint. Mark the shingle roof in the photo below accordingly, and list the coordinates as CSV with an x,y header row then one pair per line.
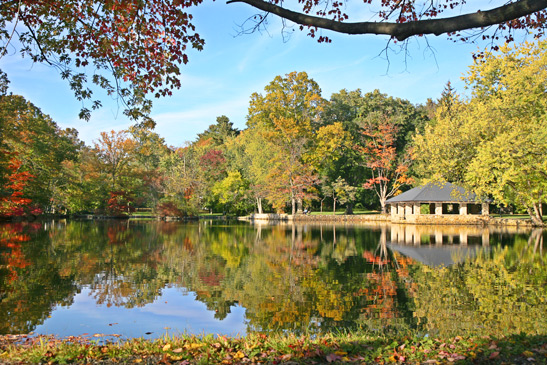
x,y
435,192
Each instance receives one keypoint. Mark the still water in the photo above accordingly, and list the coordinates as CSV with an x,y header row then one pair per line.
x,y
149,278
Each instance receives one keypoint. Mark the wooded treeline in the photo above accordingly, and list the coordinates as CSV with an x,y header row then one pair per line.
x,y
298,150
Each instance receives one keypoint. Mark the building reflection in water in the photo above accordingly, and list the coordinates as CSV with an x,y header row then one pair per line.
x,y
442,245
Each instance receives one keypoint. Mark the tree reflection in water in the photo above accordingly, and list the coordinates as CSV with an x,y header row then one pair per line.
x,y
287,277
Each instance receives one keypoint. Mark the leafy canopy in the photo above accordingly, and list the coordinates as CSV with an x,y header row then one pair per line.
x,y
130,48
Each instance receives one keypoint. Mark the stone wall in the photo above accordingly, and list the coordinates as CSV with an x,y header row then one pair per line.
x,y
429,219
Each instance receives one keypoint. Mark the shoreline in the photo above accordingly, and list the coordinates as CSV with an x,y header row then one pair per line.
x,y
468,220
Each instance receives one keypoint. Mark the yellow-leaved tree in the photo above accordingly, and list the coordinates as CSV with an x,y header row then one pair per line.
x,y
495,142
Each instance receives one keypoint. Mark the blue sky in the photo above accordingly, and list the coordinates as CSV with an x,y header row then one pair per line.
x,y
220,79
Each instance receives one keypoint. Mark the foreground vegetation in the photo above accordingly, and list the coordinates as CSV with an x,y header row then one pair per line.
x,y
259,348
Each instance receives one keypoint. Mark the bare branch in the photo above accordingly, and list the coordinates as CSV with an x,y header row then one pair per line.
x,y
402,31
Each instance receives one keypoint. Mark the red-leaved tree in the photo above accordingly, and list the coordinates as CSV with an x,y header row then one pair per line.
x,y
13,202
389,171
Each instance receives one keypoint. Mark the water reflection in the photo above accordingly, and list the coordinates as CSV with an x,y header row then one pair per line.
x,y
270,278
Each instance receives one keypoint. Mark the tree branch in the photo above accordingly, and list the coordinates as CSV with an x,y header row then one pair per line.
x,y
402,31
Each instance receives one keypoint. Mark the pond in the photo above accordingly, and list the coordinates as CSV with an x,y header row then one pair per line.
x,y
148,278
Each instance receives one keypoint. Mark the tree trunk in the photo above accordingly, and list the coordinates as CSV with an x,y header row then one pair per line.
x,y
349,208
293,206
333,206
383,204
533,212
259,205
299,205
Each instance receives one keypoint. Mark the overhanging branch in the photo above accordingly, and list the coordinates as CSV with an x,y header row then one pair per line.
x,y
402,31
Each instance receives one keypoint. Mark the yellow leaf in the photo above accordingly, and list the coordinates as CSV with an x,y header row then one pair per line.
x,y
239,355
528,353
194,346
167,347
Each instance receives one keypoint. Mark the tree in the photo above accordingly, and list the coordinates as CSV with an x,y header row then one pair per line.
x,y
389,172
287,116
501,137
233,191
147,155
182,183
114,152
39,146
251,154
340,192
403,19
219,132
134,47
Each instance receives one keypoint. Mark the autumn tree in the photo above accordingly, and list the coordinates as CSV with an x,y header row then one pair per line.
x,y
362,116
147,155
134,49
131,49
286,116
182,183
389,171
250,154
499,138
39,146
114,152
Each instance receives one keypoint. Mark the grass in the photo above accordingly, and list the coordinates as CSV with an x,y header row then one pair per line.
x,y
361,348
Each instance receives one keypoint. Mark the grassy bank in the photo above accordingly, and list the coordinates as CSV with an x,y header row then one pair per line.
x,y
257,348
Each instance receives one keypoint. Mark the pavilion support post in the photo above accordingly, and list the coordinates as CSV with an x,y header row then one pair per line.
x,y
438,237
486,237
400,210
393,210
438,208
463,208
394,233
463,238
408,210
485,209
417,208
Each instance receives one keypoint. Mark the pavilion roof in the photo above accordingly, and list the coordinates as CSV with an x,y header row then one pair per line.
x,y
435,192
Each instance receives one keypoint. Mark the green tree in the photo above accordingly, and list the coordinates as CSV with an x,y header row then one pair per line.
x,y
340,191
233,191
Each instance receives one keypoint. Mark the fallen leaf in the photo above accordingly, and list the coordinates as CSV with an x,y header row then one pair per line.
x,y
239,355
167,347
333,358
493,355
177,351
